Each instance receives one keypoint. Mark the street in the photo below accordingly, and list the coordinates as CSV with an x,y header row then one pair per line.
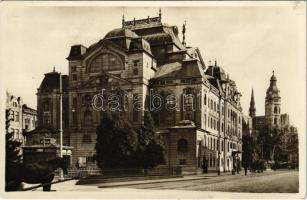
x,y
267,182
279,182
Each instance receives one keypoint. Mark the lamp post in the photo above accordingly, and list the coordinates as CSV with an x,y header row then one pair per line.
x,y
61,176
219,158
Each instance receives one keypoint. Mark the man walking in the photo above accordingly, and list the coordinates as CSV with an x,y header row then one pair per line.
x,y
205,165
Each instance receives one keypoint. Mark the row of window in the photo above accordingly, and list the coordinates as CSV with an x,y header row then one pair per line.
x,y
15,104
213,144
15,116
213,105
16,133
212,123
185,81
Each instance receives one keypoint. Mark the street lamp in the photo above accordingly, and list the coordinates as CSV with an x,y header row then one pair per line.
x,y
61,176
219,158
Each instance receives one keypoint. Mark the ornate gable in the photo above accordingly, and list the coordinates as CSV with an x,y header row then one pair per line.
x,y
104,46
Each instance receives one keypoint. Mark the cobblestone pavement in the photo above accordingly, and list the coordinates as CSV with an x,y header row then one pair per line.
x,y
267,182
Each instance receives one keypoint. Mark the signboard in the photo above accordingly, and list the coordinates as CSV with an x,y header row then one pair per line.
x,y
82,161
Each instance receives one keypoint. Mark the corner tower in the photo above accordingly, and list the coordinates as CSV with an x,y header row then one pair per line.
x,y
272,103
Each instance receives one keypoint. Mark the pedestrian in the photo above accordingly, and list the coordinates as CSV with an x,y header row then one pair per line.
x,y
205,165
245,170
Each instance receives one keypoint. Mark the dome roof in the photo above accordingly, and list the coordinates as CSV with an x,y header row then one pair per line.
x,y
158,38
273,78
121,32
272,91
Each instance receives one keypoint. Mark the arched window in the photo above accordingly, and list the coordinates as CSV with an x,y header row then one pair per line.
x,y
182,146
87,117
106,62
213,143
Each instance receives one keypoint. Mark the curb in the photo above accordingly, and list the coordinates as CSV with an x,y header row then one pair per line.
x,y
41,185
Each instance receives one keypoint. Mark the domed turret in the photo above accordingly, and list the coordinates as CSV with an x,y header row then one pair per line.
x,y
272,92
272,103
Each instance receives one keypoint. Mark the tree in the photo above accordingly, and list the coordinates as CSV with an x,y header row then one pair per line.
x,y
276,143
150,150
247,150
119,145
116,142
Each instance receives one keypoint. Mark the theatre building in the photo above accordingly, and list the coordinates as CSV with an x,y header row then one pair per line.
x,y
146,56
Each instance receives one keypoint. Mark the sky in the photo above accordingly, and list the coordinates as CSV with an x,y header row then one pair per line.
x,y
248,42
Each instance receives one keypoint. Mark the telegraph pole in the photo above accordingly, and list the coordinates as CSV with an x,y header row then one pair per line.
x,y
61,176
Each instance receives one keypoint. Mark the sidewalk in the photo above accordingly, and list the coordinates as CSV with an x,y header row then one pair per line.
x,y
73,183
184,178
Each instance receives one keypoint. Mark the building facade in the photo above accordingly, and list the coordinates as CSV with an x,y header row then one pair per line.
x,y
195,107
14,104
22,118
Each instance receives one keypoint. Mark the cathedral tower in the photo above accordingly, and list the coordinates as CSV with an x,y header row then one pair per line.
x,y
252,109
272,103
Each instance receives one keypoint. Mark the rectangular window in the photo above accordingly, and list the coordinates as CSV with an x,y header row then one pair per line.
x,y
135,71
74,77
17,134
17,116
135,63
213,144
46,106
208,102
73,68
214,124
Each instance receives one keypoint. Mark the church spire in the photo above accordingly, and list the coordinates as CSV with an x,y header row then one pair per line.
x,y
183,33
252,109
123,19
